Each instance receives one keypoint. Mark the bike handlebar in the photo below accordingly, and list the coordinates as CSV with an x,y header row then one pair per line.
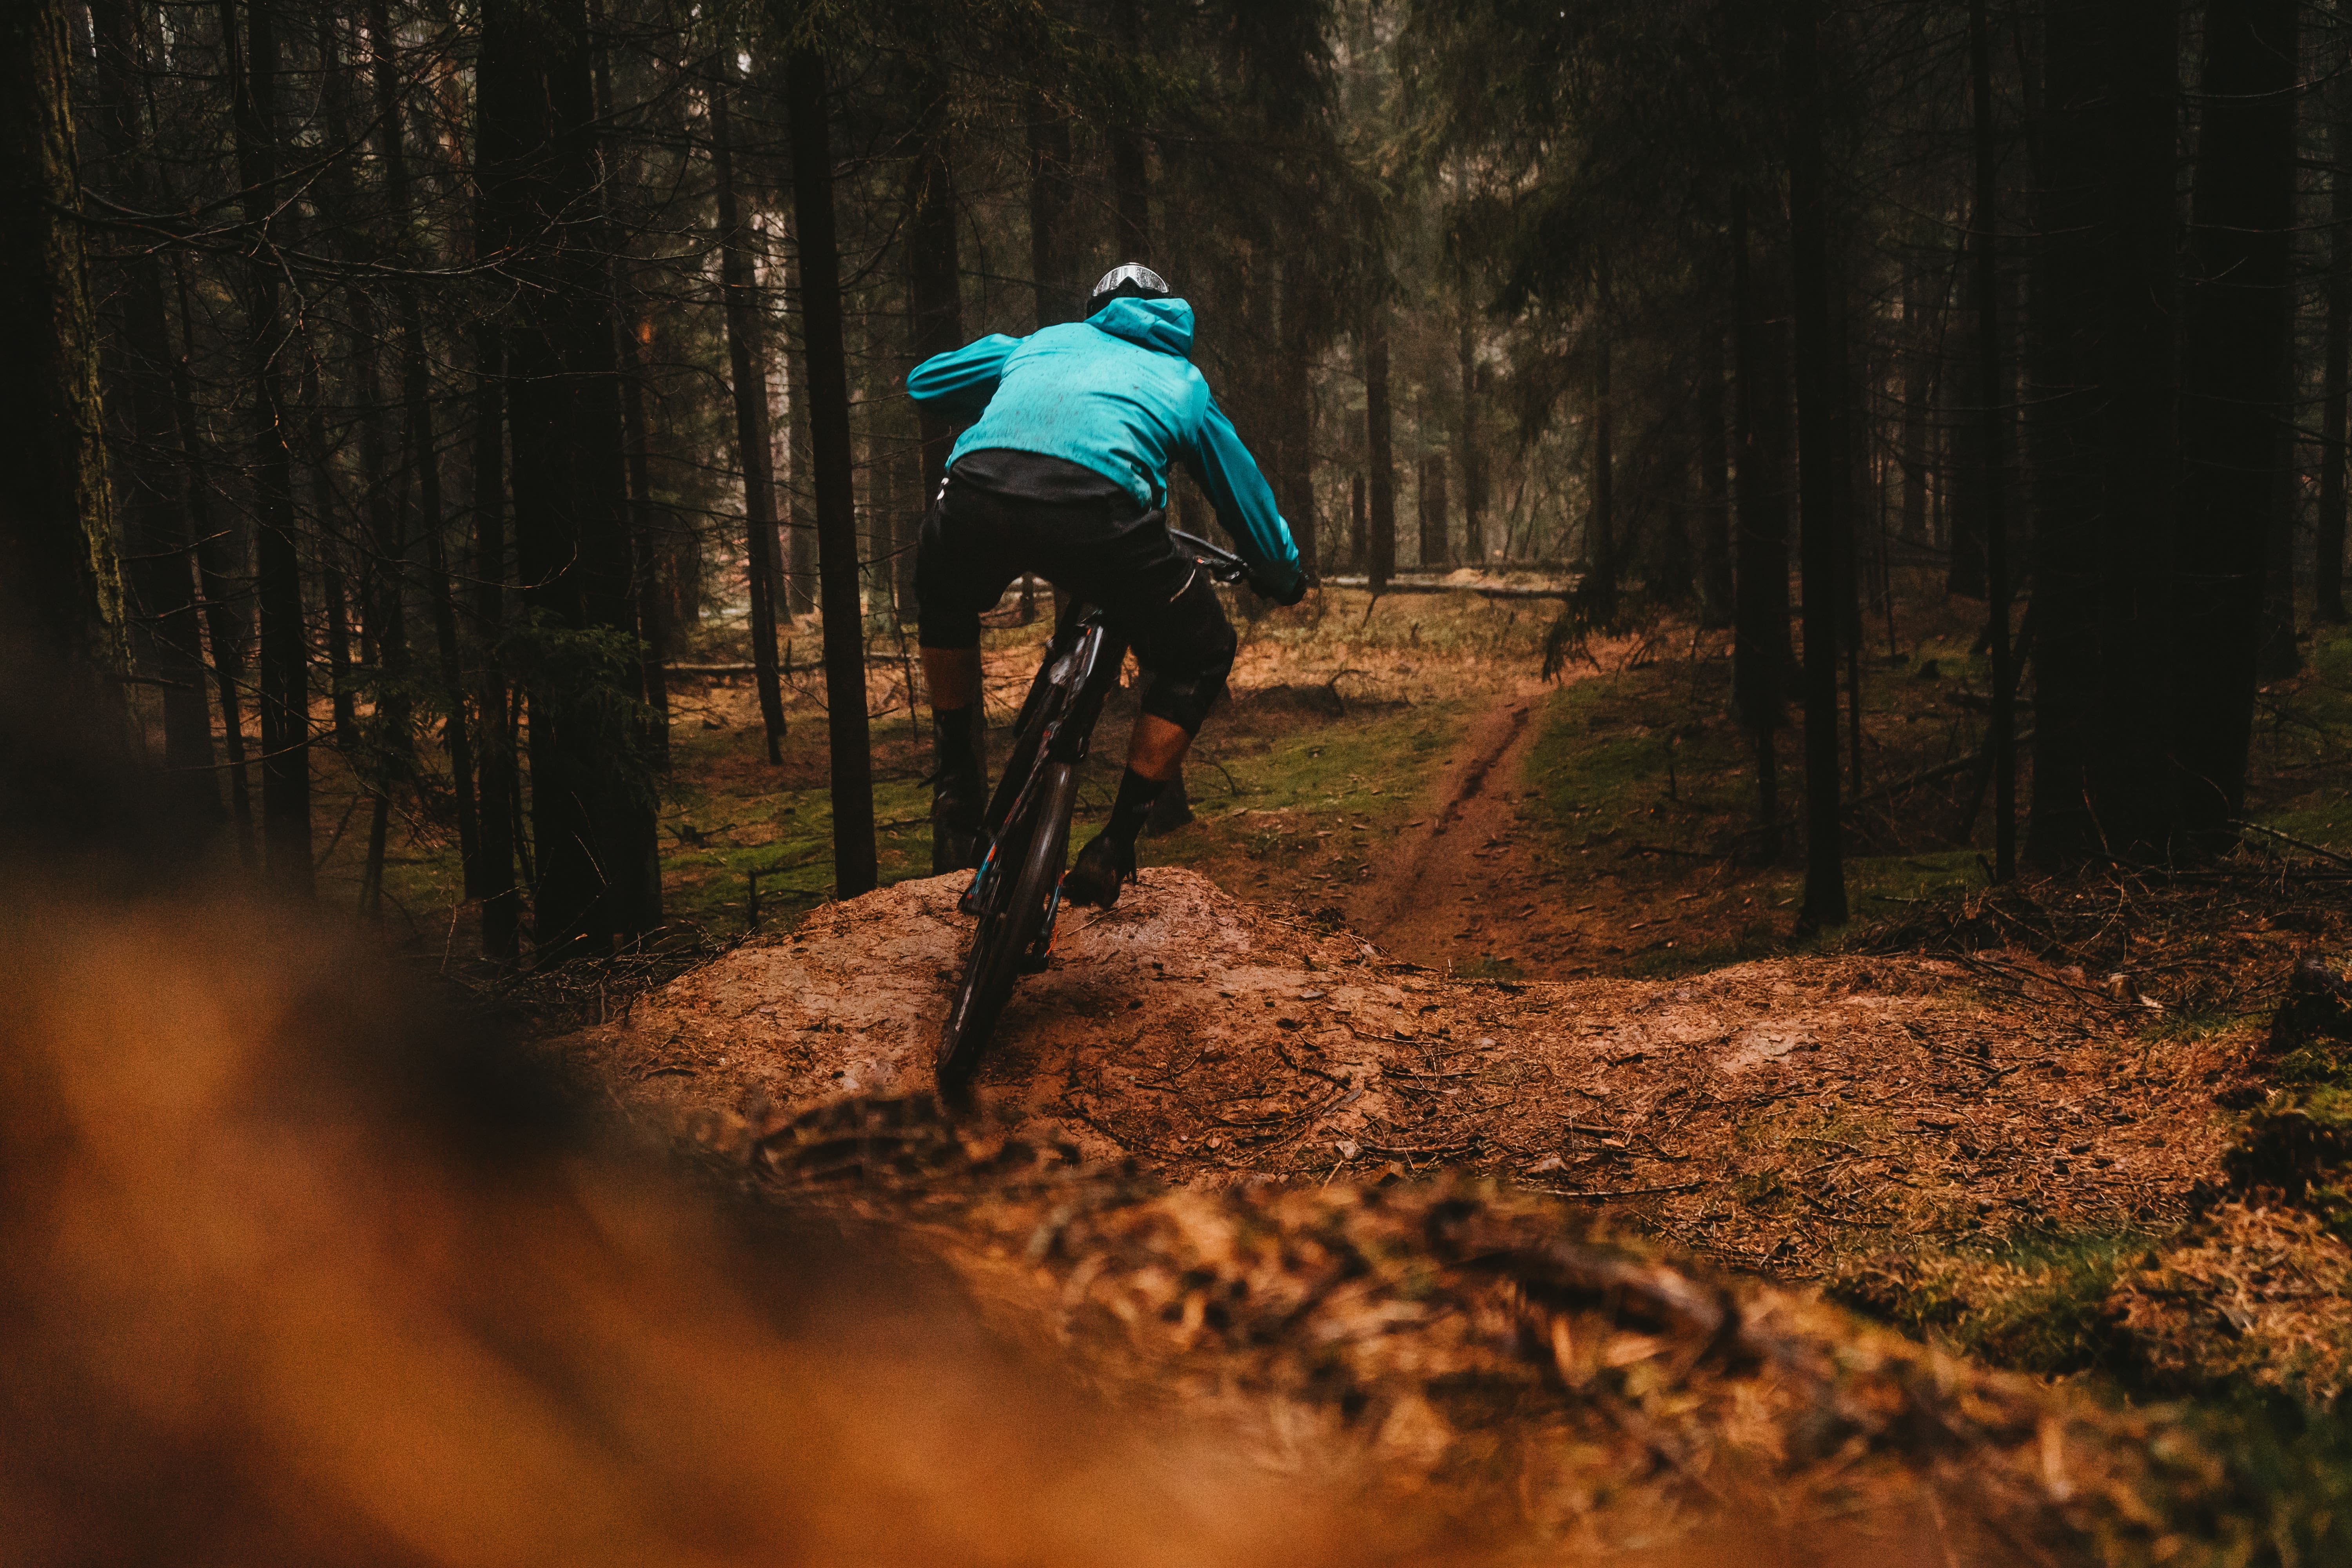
x,y
1223,564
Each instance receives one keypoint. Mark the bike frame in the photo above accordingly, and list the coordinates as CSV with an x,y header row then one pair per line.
x,y
1068,694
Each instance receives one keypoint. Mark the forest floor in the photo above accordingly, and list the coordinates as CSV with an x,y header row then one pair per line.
x,y
1439,921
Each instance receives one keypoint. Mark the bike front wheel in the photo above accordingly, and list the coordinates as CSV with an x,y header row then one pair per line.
x,y
1013,913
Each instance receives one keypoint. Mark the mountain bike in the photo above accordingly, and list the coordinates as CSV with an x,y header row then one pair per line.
x,y
1017,892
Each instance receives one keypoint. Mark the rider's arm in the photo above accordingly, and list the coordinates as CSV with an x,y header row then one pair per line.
x,y
960,382
1244,502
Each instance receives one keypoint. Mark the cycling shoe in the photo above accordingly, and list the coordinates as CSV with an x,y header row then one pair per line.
x,y
955,828
1102,865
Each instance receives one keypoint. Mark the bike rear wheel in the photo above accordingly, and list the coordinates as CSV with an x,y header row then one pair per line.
x,y
1011,916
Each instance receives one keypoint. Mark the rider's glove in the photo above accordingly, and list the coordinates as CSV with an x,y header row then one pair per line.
x,y
1290,595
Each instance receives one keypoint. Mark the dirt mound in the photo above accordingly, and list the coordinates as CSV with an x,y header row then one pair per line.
x,y
1491,1358
1762,1112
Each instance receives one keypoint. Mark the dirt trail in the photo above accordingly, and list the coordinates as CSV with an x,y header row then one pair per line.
x,y
1449,875
1780,1113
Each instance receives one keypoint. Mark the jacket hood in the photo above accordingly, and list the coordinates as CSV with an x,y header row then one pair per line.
x,y
1162,324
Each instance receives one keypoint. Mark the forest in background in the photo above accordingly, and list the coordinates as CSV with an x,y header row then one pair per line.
x,y
414,385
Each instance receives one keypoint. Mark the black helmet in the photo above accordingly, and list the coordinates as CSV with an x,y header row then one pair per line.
x,y
1128,280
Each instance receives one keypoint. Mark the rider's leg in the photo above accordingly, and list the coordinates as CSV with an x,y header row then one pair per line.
x,y
948,608
960,781
1191,650
1156,750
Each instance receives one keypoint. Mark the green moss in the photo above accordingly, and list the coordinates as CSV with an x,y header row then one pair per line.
x,y
2036,1303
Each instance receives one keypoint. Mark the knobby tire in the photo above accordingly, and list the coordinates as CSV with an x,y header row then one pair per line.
x,y
1013,914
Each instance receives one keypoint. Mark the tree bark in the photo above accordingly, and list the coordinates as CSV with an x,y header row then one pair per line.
x,y
2066,490
646,555
1760,657
284,651
747,361
1378,423
800,552
1601,523
1715,589
58,564
1996,534
501,899
2330,552
591,806
422,454
1130,171
1294,414
934,271
1433,508
1975,437
1818,379
223,627
854,864
1471,453
1358,523
1049,204
2133,793
2232,396
162,578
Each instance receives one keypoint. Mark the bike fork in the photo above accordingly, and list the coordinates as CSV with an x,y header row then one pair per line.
x,y
1033,960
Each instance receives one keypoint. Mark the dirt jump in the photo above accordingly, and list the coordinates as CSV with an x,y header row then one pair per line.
x,y
1197,1171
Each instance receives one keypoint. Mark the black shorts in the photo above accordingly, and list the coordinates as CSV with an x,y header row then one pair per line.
x,y
1099,547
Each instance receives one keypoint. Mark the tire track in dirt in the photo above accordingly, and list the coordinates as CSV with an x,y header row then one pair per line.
x,y
1438,864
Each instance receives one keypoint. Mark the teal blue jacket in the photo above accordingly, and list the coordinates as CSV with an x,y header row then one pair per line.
x,y
1116,392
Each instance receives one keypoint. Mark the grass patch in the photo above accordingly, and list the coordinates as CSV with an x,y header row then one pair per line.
x,y
2035,1303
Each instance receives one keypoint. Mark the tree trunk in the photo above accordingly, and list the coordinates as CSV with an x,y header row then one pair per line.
x,y
1130,173
2277,654
934,272
853,867
644,554
799,554
1817,380
1759,656
1915,453
2066,492
501,900
1601,523
1996,534
2133,798
2232,396
385,757
592,806
1377,433
422,456
1049,204
162,576
1433,498
747,361
1295,416
1715,591
1472,455
223,627
285,654
1359,526
58,558
2330,548
1973,411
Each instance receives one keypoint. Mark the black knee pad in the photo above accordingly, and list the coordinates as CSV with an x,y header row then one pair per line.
x,y
1190,653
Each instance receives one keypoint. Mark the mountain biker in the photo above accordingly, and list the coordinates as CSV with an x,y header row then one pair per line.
x,y
1065,475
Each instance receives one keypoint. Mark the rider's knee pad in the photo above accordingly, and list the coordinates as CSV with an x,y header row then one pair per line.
x,y
1191,654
